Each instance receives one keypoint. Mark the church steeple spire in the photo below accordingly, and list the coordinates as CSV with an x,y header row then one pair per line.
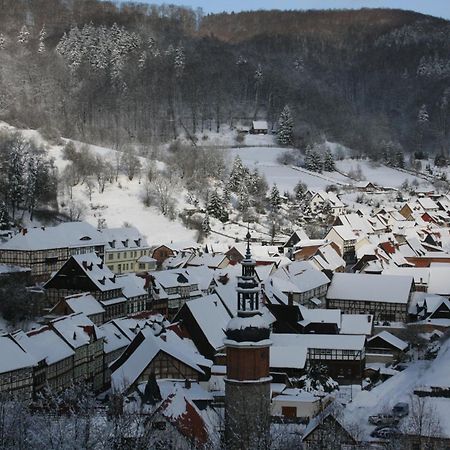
x,y
247,383
248,287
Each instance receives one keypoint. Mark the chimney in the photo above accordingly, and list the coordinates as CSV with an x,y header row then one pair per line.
x,y
24,231
187,383
290,299
368,318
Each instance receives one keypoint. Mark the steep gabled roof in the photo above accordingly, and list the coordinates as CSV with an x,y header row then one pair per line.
x,y
144,348
68,234
13,356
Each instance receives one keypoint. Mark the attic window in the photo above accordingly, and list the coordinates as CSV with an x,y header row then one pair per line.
x,y
113,279
137,242
85,238
125,243
112,244
102,281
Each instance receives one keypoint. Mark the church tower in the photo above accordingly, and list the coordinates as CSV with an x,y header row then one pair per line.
x,y
247,383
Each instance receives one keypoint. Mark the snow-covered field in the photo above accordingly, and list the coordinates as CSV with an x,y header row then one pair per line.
x,y
379,174
265,160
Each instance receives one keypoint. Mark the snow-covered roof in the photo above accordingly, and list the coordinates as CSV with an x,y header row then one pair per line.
x,y
44,344
124,238
84,303
172,277
148,346
320,316
212,317
421,275
439,281
344,232
77,330
375,288
285,357
113,338
212,260
427,203
97,271
146,259
131,284
390,339
9,268
68,234
319,341
356,324
260,125
326,258
13,356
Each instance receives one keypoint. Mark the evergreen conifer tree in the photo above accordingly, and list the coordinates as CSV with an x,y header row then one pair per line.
x,y
237,175
24,35
313,161
275,199
328,162
285,127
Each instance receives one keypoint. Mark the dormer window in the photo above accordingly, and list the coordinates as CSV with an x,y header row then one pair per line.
x,y
112,244
125,243
102,281
85,238
137,242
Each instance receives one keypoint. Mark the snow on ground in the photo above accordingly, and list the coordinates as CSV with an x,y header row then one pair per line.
x,y
118,205
379,174
286,177
227,138
384,397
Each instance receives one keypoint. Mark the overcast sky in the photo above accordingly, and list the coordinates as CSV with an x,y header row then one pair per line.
x,y
440,8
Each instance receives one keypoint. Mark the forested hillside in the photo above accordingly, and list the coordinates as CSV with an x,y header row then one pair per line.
x,y
374,80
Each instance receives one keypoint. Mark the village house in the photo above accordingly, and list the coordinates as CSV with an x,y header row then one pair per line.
x,y
161,253
135,291
16,369
293,404
115,341
345,240
45,250
165,356
386,297
54,357
298,282
203,320
127,251
84,303
88,273
86,341
178,286
385,348
325,430
319,199
343,355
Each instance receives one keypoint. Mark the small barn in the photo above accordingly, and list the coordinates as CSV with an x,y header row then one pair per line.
x,y
259,127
